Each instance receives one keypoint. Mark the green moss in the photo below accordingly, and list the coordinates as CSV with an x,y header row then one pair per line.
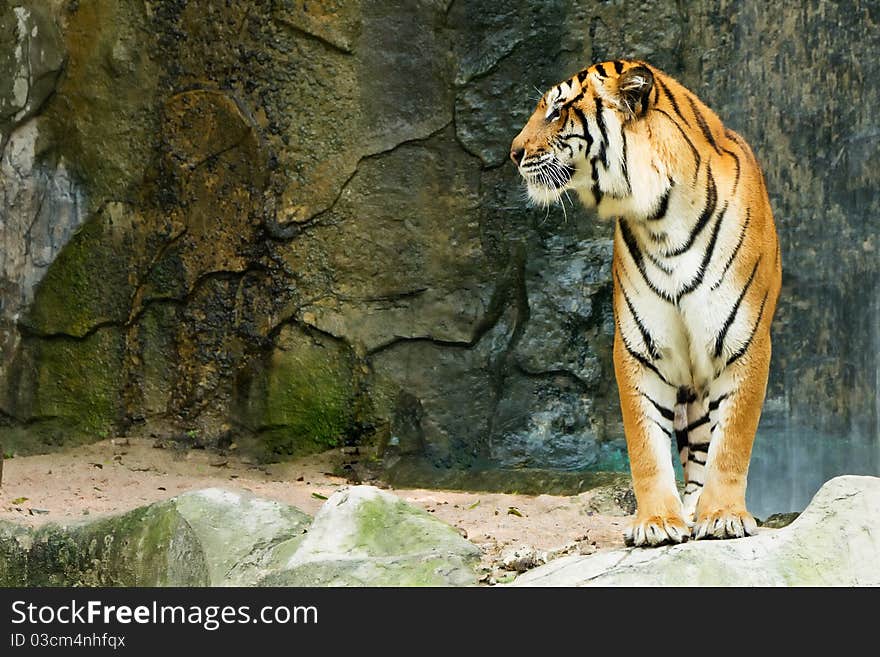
x,y
158,355
309,394
150,546
89,283
67,389
13,563
398,528
303,399
102,116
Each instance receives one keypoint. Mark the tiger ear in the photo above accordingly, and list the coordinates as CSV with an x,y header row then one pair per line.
x,y
634,89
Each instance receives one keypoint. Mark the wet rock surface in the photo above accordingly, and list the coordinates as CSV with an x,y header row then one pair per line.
x,y
210,213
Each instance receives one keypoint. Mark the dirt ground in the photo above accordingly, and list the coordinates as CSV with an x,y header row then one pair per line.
x,y
117,475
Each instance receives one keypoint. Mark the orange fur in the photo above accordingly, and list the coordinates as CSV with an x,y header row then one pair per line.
x,y
697,274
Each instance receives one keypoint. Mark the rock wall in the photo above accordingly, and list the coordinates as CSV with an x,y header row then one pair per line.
x,y
292,225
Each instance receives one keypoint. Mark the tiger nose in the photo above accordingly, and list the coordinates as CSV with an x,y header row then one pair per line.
x,y
517,154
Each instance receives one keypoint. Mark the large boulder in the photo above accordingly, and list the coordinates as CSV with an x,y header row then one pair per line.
x,y
364,536
361,537
834,542
211,537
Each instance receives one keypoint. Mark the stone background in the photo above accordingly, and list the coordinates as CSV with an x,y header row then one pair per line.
x,y
290,225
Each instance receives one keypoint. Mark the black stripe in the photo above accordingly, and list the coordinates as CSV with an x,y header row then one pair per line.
x,y
708,211
646,336
719,341
659,265
565,145
600,70
664,429
660,212
693,457
730,134
564,141
586,126
618,66
671,100
698,423
697,159
742,350
596,190
712,428
701,121
639,357
713,405
698,484
704,265
667,413
735,180
583,75
603,133
630,241
742,237
625,166
681,439
573,135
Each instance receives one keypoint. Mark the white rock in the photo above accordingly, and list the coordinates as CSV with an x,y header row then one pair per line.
x,y
364,536
521,559
834,542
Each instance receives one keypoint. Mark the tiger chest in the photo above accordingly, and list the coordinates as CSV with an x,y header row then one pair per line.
x,y
674,336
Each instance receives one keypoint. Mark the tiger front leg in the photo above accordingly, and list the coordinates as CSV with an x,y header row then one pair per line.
x,y
647,404
738,396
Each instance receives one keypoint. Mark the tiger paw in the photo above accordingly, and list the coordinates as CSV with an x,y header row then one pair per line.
x,y
654,530
725,523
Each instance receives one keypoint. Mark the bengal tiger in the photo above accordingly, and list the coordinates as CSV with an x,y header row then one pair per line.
x,y
696,274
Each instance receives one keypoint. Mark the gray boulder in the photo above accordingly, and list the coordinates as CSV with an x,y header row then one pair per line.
x,y
361,537
210,537
834,542
364,536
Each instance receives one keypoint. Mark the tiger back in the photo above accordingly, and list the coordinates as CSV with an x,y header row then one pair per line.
x,y
696,276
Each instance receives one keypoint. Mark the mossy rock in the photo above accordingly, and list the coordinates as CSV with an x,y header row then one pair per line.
x,y
31,58
92,281
103,117
302,398
150,546
364,536
68,388
211,537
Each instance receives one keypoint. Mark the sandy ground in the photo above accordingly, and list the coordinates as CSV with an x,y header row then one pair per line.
x,y
117,475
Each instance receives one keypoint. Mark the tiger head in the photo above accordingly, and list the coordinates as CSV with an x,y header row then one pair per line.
x,y
574,139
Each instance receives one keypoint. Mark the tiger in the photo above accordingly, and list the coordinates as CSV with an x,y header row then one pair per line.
x,y
696,274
